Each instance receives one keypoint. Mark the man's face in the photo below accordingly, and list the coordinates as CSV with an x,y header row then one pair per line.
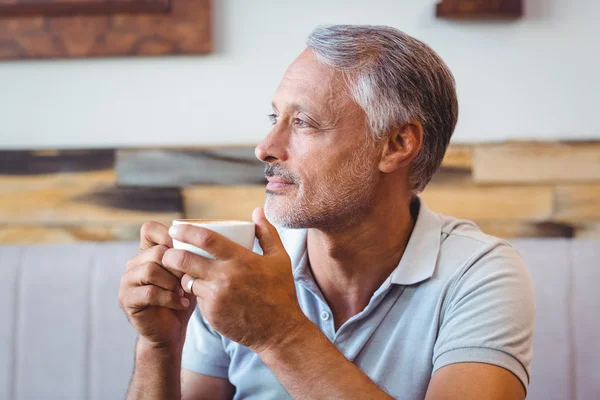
x,y
321,161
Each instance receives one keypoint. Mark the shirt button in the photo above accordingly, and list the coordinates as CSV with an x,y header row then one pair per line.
x,y
325,315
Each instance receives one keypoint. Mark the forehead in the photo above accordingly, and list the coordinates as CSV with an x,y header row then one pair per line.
x,y
312,84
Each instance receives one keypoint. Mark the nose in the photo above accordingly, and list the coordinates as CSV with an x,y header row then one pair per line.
x,y
273,147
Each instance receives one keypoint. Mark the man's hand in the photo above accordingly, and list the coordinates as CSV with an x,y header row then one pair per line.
x,y
152,296
247,297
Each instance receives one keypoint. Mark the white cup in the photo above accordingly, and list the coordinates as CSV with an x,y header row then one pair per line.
x,y
241,232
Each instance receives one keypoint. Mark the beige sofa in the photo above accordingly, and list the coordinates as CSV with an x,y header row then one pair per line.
x,y
63,335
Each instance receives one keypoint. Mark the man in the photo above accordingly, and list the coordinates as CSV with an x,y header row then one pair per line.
x,y
364,293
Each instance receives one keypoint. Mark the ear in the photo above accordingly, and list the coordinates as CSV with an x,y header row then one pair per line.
x,y
401,147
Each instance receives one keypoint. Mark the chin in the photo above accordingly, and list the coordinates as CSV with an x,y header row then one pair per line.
x,y
281,212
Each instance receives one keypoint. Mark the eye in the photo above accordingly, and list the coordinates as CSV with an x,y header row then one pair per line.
x,y
300,123
273,118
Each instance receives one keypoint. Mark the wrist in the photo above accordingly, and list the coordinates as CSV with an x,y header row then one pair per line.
x,y
145,348
301,336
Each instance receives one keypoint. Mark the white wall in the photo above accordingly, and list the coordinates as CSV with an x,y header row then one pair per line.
x,y
537,78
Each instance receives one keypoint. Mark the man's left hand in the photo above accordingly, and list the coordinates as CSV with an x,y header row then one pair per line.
x,y
247,297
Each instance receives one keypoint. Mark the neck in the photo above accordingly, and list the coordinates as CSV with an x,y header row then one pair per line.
x,y
350,266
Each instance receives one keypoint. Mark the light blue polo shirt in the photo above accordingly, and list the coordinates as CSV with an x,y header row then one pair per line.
x,y
457,295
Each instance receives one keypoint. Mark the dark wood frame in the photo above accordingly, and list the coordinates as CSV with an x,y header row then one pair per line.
x,y
479,9
100,28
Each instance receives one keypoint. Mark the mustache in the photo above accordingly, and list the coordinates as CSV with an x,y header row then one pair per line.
x,y
278,170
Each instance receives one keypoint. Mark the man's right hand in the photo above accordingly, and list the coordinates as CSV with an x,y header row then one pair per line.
x,y
151,295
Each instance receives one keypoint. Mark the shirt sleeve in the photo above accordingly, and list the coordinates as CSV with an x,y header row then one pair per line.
x,y
203,350
489,314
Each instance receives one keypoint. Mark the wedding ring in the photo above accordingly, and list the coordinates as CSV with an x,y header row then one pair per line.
x,y
190,285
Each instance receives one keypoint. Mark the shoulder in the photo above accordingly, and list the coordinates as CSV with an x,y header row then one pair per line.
x,y
466,250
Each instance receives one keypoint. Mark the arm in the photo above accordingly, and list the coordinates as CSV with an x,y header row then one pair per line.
x,y
158,375
310,357
474,381
309,366
195,386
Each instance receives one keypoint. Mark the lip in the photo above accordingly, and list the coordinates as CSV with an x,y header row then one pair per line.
x,y
278,183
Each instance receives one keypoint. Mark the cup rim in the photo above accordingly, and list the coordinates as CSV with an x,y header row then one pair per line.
x,y
211,221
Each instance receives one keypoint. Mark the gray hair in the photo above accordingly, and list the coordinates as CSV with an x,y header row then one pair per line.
x,y
395,78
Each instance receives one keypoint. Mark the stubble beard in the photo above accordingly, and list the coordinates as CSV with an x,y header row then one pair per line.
x,y
338,202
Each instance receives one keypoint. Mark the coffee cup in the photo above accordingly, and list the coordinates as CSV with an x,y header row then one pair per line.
x,y
240,232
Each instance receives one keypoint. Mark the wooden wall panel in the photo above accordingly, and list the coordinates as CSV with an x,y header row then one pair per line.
x,y
67,234
507,203
62,196
520,229
85,205
223,202
536,162
510,190
180,167
577,202
456,169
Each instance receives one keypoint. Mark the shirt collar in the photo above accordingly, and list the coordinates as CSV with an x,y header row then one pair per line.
x,y
417,263
420,256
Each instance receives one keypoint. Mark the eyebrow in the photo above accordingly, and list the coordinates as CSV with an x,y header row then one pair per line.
x,y
296,107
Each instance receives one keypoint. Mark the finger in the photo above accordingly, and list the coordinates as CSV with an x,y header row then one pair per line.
x,y
153,274
140,297
267,234
199,286
152,254
186,262
154,233
213,243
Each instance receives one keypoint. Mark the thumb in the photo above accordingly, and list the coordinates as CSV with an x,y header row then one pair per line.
x,y
267,235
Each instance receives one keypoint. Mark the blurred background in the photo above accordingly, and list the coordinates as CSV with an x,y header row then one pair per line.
x,y
116,112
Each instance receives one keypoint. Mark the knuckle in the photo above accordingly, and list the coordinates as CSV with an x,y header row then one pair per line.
x,y
149,271
224,283
146,228
181,258
205,238
158,252
150,293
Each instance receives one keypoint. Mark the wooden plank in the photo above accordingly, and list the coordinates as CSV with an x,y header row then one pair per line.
x,y
19,183
83,205
173,167
491,202
577,202
221,202
518,229
10,234
455,168
589,230
184,29
20,8
459,156
22,163
537,162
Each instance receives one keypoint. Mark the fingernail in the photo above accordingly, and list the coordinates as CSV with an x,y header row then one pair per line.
x,y
173,230
185,302
181,292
